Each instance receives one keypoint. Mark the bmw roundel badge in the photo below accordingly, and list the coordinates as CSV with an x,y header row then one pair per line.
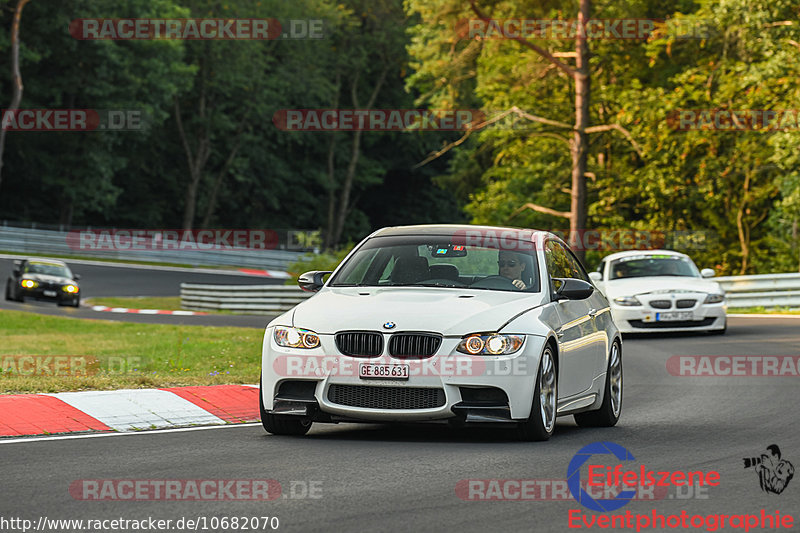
x,y
389,325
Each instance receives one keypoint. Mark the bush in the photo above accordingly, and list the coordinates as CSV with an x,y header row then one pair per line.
x,y
321,261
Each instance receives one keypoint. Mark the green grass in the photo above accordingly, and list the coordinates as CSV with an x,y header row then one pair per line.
x,y
128,355
763,310
167,303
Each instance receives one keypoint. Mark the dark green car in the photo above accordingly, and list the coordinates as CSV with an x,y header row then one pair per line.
x,y
43,279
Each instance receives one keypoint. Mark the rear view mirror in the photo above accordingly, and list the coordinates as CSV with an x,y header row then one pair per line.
x,y
312,281
595,276
572,289
76,277
708,273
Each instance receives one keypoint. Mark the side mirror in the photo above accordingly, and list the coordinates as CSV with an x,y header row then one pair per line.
x,y
312,281
595,276
708,273
76,277
572,289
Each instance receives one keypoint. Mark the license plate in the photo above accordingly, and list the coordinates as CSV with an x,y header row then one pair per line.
x,y
49,293
676,315
377,371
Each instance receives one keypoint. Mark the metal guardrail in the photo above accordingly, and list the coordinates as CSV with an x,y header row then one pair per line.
x,y
53,242
250,299
767,290
762,290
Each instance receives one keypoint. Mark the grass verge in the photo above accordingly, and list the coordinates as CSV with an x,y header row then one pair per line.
x,y
166,303
764,310
120,355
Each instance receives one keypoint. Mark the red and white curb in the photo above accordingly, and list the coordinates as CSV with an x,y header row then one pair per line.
x,y
106,309
127,410
278,274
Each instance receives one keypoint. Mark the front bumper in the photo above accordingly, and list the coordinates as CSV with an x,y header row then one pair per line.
x,y
645,319
448,385
52,293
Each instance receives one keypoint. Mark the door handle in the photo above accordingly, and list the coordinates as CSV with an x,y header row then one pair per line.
x,y
593,313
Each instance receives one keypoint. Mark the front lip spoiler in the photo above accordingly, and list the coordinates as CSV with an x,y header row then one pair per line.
x,y
463,413
482,413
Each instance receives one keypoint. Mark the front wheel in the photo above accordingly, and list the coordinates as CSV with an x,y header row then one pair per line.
x,y
542,421
611,408
281,424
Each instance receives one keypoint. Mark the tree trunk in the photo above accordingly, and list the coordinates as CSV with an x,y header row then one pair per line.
x,y
355,154
580,143
212,201
328,240
744,232
16,77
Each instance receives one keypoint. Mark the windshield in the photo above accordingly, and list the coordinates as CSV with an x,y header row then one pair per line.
x,y
48,269
437,261
652,265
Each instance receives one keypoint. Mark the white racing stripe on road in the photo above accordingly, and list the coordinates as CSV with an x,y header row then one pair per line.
x,y
125,410
18,440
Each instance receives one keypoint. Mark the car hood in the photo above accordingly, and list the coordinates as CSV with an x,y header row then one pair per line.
x,y
442,310
47,278
659,284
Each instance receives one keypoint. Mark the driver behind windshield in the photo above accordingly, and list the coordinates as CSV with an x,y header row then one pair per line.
x,y
510,265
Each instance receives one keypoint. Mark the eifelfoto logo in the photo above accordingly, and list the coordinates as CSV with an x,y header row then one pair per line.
x,y
773,472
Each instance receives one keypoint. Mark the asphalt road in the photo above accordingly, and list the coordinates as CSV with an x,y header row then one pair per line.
x,y
399,478
98,280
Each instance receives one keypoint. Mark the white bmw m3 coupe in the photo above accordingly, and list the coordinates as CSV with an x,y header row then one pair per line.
x,y
466,324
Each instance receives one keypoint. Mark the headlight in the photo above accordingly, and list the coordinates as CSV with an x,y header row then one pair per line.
x,y
29,283
296,338
72,289
714,298
490,344
628,301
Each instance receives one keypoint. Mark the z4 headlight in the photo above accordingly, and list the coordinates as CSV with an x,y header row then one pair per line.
x,y
627,301
72,289
29,283
490,344
295,337
714,298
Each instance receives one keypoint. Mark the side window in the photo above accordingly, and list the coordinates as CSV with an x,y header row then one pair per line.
x,y
561,263
556,258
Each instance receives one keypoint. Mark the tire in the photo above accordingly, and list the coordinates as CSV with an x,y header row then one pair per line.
x,y
8,291
611,408
77,302
541,423
281,424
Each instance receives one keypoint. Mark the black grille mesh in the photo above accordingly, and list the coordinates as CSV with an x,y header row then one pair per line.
x,y
685,304
660,304
414,345
360,343
386,397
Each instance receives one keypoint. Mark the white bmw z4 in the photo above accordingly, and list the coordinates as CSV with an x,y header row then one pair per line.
x,y
465,324
661,291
